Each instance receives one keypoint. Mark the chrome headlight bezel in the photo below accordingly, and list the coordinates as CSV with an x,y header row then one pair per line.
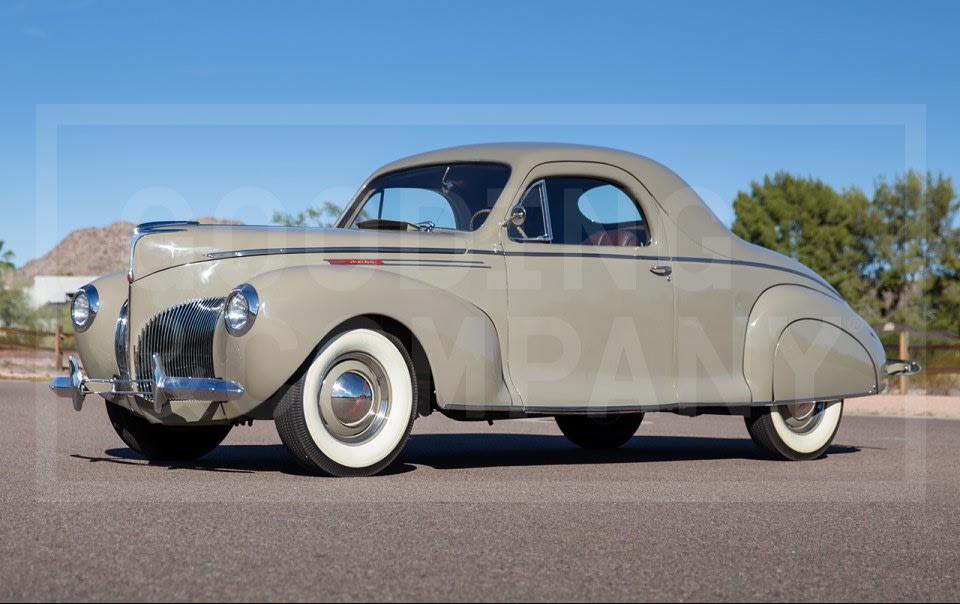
x,y
240,309
92,296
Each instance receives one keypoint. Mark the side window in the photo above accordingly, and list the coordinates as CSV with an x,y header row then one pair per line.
x,y
536,227
591,212
607,204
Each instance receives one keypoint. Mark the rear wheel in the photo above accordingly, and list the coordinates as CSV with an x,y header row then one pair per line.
x,y
796,431
157,442
352,411
599,431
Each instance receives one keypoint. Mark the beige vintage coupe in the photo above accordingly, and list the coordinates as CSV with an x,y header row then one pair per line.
x,y
483,282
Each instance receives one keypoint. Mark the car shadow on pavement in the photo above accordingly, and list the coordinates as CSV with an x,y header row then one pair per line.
x,y
473,451
462,451
242,459
246,459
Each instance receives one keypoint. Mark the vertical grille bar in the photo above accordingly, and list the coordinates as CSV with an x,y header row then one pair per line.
x,y
178,342
183,337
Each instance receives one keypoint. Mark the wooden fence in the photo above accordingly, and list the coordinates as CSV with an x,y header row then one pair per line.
x,y
57,342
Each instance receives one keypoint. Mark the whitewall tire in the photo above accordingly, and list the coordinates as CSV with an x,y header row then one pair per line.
x,y
352,410
798,431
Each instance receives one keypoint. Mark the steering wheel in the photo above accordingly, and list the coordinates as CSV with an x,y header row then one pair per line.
x,y
478,215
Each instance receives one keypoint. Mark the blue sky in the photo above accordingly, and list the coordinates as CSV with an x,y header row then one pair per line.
x,y
830,89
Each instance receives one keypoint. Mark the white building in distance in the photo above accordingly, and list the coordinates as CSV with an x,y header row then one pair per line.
x,y
50,289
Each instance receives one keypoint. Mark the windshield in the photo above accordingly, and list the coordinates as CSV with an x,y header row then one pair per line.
x,y
449,196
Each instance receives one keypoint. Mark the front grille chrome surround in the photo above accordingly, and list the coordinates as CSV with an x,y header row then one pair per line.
x,y
182,336
121,342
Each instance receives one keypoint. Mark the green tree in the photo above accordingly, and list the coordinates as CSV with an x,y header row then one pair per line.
x,y
918,251
832,233
6,260
15,310
324,216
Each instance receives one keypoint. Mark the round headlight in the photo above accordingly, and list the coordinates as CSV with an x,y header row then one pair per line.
x,y
83,309
240,309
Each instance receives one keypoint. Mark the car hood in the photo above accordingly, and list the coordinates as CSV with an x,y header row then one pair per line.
x,y
165,246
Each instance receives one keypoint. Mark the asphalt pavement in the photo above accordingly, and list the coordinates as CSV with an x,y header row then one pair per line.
x,y
687,510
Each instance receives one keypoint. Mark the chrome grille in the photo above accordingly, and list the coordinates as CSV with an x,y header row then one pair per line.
x,y
120,343
183,337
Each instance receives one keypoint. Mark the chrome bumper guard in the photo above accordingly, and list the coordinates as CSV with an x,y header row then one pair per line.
x,y
896,367
163,387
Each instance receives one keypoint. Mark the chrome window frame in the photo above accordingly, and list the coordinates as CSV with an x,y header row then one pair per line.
x,y
547,236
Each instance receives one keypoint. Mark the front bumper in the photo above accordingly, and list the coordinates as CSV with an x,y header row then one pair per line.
x,y
162,387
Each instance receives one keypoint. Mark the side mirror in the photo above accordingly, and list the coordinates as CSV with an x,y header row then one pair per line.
x,y
518,216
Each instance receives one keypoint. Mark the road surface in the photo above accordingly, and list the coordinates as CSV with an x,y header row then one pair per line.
x,y
687,510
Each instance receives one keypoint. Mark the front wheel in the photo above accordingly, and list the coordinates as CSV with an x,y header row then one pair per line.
x,y
796,431
599,432
352,411
157,442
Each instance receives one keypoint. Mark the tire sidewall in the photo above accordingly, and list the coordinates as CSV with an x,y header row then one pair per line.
x,y
392,434
812,442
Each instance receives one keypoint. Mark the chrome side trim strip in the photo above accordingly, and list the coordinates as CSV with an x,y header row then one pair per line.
x,y
727,261
434,265
753,265
439,261
458,251
421,262
334,250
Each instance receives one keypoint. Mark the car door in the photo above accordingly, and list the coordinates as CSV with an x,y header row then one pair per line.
x,y
590,300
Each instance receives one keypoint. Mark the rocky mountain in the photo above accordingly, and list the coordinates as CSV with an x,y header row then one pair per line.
x,y
92,251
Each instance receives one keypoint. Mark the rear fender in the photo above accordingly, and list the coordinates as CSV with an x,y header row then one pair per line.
x,y
802,344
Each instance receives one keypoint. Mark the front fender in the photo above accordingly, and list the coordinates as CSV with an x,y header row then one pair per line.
x,y
97,345
302,305
804,344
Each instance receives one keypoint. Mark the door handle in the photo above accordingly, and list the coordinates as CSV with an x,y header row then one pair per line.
x,y
661,270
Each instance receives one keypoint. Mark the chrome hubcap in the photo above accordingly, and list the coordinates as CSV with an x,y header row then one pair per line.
x,y
802,417
354,398
351,399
